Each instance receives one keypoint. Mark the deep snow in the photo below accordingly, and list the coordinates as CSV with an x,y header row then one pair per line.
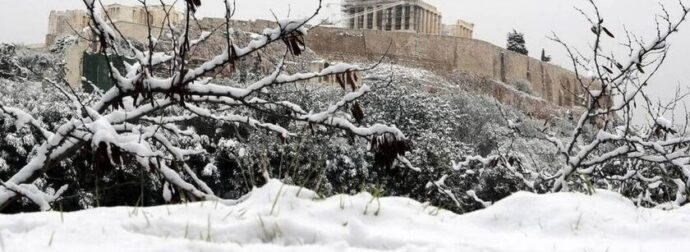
x,y
299,221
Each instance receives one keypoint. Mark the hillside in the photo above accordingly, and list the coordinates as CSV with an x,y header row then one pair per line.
x,y
446,118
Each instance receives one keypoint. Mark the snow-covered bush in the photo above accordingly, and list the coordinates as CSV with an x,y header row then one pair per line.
x,y
140,125
524,86
7,68
20,63
172,130
444,125
650,164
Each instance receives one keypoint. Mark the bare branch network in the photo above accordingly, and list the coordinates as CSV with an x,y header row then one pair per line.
x,y
625,79
130,121
651,163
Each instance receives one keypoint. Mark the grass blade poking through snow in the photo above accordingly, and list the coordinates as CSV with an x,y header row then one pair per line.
x,y
275,201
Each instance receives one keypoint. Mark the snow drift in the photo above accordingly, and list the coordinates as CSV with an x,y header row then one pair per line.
x,y
278,217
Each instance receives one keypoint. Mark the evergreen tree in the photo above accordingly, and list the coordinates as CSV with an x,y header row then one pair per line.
x,y
516,42
544,57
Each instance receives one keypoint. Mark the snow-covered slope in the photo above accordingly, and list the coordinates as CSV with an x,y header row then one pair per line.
x,y
296,221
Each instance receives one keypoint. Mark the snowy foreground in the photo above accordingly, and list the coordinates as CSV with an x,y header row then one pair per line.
x,y
296,222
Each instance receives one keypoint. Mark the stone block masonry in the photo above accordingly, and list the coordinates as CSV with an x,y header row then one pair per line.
x,y
448,54
442,54
131,19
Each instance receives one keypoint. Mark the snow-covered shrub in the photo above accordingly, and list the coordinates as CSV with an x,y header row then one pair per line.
x,y
20,63
144,124
444,126
7,68
18,144
524,86
648,163
444,123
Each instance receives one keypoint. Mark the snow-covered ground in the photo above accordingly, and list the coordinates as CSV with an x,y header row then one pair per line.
x,y
296,221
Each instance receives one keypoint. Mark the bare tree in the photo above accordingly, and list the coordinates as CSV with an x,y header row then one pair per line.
x,y
649,163
139,117
626,80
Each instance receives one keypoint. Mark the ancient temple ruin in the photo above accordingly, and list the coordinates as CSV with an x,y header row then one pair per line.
x,y
461,29
402,30
392,15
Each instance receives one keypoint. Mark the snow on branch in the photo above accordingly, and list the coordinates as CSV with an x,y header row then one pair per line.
x,y
142,116
22,118
614,89
34,194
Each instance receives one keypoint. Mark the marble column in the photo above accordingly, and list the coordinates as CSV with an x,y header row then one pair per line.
x,y
405,23
374,22
431,22
395,17
434,24
413,18
436,31
427,21
423,21
356,18
365,18
386,19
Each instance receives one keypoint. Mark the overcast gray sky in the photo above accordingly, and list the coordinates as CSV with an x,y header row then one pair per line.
x,y
26,21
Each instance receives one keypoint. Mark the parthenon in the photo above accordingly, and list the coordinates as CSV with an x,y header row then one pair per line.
x,y
392,15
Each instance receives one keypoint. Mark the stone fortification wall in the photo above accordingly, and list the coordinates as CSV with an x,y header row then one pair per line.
x,y
448,54
507,71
